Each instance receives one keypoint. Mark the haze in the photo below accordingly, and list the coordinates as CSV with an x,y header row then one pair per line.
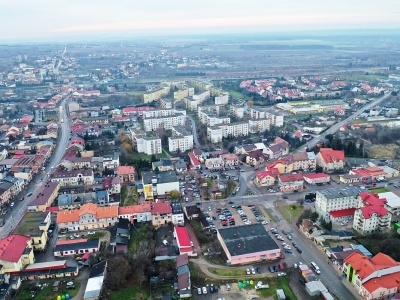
x,y
52,20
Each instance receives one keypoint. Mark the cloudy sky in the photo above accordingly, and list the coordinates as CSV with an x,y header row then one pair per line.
x,y
45,19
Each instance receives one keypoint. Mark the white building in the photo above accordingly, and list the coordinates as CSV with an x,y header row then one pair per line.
x,y
214,134
222,99
74,177
237,111
148,145
165,122
238,129
178,217
181,140
259,125
111,161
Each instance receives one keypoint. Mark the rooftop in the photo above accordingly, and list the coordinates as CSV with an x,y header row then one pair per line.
x,y
93,243
12,247
29,225
162,177
334,193
247,239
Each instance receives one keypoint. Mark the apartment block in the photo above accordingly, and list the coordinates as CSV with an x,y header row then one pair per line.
x,y
237,129
167,122
165,103
237,111
212,119
221,99
214,134
160,113
183,92
275,119
193,102
155,95
181,140
259,125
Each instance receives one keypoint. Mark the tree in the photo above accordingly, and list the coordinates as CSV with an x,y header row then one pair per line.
x,y
174,195
319,169
118,271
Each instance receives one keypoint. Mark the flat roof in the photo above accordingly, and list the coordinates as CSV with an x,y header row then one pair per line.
x,y
94,243
333,193
46,265
29,225
162,177
392,199
247,239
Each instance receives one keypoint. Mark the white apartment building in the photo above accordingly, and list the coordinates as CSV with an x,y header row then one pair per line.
x,y
181,140
167,122
259,125
192,103
214,134
237,129
166,103
111,161
158,113
336,199
212,119
201,97
221,99
237,111
148,145
371,214
275,119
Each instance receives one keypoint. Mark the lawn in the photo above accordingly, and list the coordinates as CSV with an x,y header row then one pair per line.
x,y
274,284
138,233
227,272
131,292
47,292
238,95
379,190
97,235
148,157
132,199
270,215
294,210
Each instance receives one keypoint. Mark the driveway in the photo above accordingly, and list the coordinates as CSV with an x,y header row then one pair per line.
x,y
82,278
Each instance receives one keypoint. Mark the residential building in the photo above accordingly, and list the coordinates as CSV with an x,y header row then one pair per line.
x,y
210,117
214,134
277,149
330,160
337,199
255,158
248,244
182,268
16,252
76,247
44,197
35,225
155,94
165,103
304,161
161,213
182,92
182,140
230,160
373,278
221,99
237,129
149,145
194,161
78,162
259,125
126,173
111,161
267,178
164,122
181,166
139,213
237,111
164,164
159,185
88,216
178,218
193,102
315,178
73,177
291,182
112,185
214,163
5,192
371,214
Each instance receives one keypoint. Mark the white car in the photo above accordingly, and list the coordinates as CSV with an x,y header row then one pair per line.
x,y
91,232
204,290
253,271
199,291
12,204
76,235
248,271
282,274
295,266
264,223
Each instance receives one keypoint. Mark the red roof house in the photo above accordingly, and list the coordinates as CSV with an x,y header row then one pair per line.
x,y
183,240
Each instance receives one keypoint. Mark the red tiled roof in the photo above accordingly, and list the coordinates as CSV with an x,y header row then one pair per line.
x,y
125,170
12,247
372,205
271,172
342,213
193,159
135,109
291,177
329,155
131,209
161,208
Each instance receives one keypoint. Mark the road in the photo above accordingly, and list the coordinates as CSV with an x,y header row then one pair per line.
x,y
337,126
193,125
18,211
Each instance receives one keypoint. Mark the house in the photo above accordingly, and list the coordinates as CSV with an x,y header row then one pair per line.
x,y
304,161
184,283
95,283
44,197
113,185
371,214
88,216
177,213
214,163
255,158
230,160
330,160
161,213
314,178
373,278
75,247
181,166
111,161
195,163
126,173
16,252
183,241
163,165
310,229
291,182
267,178
139,213
123,235
35,225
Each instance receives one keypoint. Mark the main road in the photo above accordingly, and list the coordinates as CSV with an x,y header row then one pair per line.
x,y
16,214
337,126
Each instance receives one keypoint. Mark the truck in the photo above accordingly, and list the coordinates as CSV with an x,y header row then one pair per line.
x,y
260,285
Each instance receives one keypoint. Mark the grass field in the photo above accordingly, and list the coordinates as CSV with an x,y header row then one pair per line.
x,y
238,95
131,292
47,292
379,190
270,215
97,235
227,272
148,157
294,210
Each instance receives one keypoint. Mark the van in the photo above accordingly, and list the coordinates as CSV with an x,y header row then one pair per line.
x,y
315,268
56,286
165,242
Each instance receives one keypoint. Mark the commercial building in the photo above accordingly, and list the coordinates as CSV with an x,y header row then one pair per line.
x,y
51,269
267,178
248,244
75,247
73,177
314,178
45,197
373,278
183,240
330,160
156,185
291,182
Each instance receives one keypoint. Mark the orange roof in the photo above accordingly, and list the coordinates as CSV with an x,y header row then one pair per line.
x,y
125,170
132,209
66,242
386,281
90,208
329,155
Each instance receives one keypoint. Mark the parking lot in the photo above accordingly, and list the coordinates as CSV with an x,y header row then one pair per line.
x,y
231,293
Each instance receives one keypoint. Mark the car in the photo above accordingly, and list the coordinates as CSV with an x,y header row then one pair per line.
x,y
77,235
299,250
231,202
259,270
248,272
288,251
22,199
295,265
91,232
209,208
204,290
276,269
70,287
284,232
289,237
228,287
12,204
212,289
281,274
83,236
30,194
198,291
271,269
71,237
294,244
253,271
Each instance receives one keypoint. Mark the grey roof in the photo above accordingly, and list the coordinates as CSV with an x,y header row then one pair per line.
x,y
162,177
122,231
176,207
334,193
121,240
247,239
183,269
181,164
94,243
64,200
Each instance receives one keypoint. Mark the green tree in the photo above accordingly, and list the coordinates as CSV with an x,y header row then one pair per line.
x,y
174,195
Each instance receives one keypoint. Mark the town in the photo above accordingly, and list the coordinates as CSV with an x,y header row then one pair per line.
x,y
117,186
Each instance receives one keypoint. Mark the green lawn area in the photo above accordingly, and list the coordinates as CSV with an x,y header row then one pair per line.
x,y
294,210
97,235
379,190
148,157
47,293
270,215
131,292
227,272
274,284
239,95
132,199
138,233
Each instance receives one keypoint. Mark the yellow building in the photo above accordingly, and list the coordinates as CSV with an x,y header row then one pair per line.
x,y
16,253
35,225
155,95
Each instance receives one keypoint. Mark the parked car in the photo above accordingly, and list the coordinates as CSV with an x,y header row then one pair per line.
x,y
204,290
248,271
253,271
91,232
199,291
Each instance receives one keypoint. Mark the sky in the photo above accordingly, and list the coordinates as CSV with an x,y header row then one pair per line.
x,y
55,19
